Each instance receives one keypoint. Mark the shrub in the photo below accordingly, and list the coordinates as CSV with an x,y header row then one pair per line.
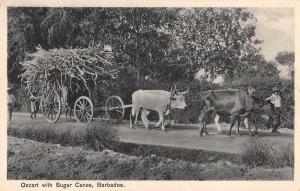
x,y
259,153
256,153
282,156
99,137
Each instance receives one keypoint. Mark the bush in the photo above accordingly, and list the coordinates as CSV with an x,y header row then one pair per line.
x,y
94,135
282,156
256,153
259,153
100,137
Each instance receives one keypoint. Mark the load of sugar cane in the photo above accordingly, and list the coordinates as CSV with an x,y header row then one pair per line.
x,y
74,68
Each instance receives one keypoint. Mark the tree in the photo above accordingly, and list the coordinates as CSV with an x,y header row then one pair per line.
x,y
260,72
23,36
220,40
285,58
168,43
134,33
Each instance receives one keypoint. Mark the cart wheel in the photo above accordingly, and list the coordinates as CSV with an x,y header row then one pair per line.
x,y
51,106
114,108
83,110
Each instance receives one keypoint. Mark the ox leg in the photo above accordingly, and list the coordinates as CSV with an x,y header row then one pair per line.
x,y
232,123
238,127
217,117
161,121
136,117
252,123
132,114
35,111
246,121
168,114
67,110
144,118
201,129
207,116
256,131
37,107
204,126
31,116
201,120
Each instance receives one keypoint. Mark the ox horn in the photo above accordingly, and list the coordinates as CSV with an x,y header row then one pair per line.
x,y
173,90
186,91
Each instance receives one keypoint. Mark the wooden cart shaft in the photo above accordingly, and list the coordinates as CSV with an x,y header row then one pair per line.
x,y
113,108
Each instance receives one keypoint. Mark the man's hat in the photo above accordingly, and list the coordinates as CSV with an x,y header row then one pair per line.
x,y
275,89
10,88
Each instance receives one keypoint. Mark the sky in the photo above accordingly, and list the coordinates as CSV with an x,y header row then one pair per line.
x,y
275,26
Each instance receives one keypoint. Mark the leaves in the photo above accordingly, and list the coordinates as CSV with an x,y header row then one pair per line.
x,y
219,38
285,58
170,43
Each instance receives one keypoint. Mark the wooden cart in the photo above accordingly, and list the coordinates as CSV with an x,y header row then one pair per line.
x,y
84,108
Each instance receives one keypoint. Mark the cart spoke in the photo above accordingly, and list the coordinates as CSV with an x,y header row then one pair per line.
x,y
55,109
88,114
50,105
119,111
83,104
83,109
80,104
85,118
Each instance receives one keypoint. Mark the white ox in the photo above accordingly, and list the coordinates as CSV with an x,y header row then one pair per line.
x,y
156,100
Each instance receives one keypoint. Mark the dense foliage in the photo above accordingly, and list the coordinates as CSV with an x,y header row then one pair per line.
x,y
155,47
165,43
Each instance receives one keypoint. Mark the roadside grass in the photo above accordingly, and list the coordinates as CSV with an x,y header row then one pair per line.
x,y
259,153
98,136
94,136
32,160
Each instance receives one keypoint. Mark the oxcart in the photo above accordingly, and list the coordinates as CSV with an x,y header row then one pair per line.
x,y
49,73
84,108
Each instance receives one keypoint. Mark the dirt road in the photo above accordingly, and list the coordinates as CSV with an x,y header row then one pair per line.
x,y
181,136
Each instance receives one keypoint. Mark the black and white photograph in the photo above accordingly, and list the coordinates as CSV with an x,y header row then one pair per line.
x,y
149,93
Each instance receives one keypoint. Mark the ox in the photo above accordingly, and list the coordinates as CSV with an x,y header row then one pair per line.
x,y
156,100
234,103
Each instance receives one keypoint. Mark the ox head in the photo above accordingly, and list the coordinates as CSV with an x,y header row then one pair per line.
x,y
178,99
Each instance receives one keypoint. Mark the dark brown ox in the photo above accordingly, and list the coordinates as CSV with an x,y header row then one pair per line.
x,y
236,104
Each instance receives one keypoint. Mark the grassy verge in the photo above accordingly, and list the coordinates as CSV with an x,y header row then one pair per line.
x,y
28,160
98,137
93,136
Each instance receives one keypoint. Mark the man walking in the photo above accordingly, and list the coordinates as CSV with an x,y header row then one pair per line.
x,y
11,101
275,100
